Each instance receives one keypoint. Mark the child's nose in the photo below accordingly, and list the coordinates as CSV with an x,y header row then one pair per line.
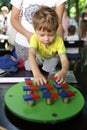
x,y
46,37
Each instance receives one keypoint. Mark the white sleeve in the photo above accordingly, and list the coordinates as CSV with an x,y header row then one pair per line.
x,y
59,2
16,4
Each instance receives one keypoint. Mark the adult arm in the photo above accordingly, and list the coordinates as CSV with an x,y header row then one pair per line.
x,y
15,21
60,9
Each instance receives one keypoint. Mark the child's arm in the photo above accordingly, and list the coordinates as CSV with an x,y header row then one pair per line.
x,y
39,79
62,73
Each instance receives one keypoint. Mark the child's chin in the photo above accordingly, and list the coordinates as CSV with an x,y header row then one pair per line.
x,y
46,44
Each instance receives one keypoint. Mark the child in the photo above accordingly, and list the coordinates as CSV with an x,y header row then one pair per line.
x,y
48,45
72,36
24,27
73,53
72,33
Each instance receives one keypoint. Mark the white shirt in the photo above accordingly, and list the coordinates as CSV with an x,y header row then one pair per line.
x,y
29,8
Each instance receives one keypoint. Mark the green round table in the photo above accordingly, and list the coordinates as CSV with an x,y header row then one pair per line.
x,y
41,112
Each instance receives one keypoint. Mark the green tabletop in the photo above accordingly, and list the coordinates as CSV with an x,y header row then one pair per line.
x,y
42,112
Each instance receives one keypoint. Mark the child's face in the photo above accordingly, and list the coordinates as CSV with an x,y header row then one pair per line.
x,y
45,37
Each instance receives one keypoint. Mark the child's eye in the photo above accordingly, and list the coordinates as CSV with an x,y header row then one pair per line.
x,y
41,35
51,35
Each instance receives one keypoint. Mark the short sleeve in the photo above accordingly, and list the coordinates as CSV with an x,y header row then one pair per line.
x,y
16,4
33,42
59,2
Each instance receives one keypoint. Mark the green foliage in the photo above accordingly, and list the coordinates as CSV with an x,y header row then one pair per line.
x,y
4,2
82,4
75,7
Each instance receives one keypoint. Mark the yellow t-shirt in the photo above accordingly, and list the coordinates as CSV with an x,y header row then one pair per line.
x,y
56,47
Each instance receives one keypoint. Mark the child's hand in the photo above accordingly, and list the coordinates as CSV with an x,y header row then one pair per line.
x,y
60,77
39,79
